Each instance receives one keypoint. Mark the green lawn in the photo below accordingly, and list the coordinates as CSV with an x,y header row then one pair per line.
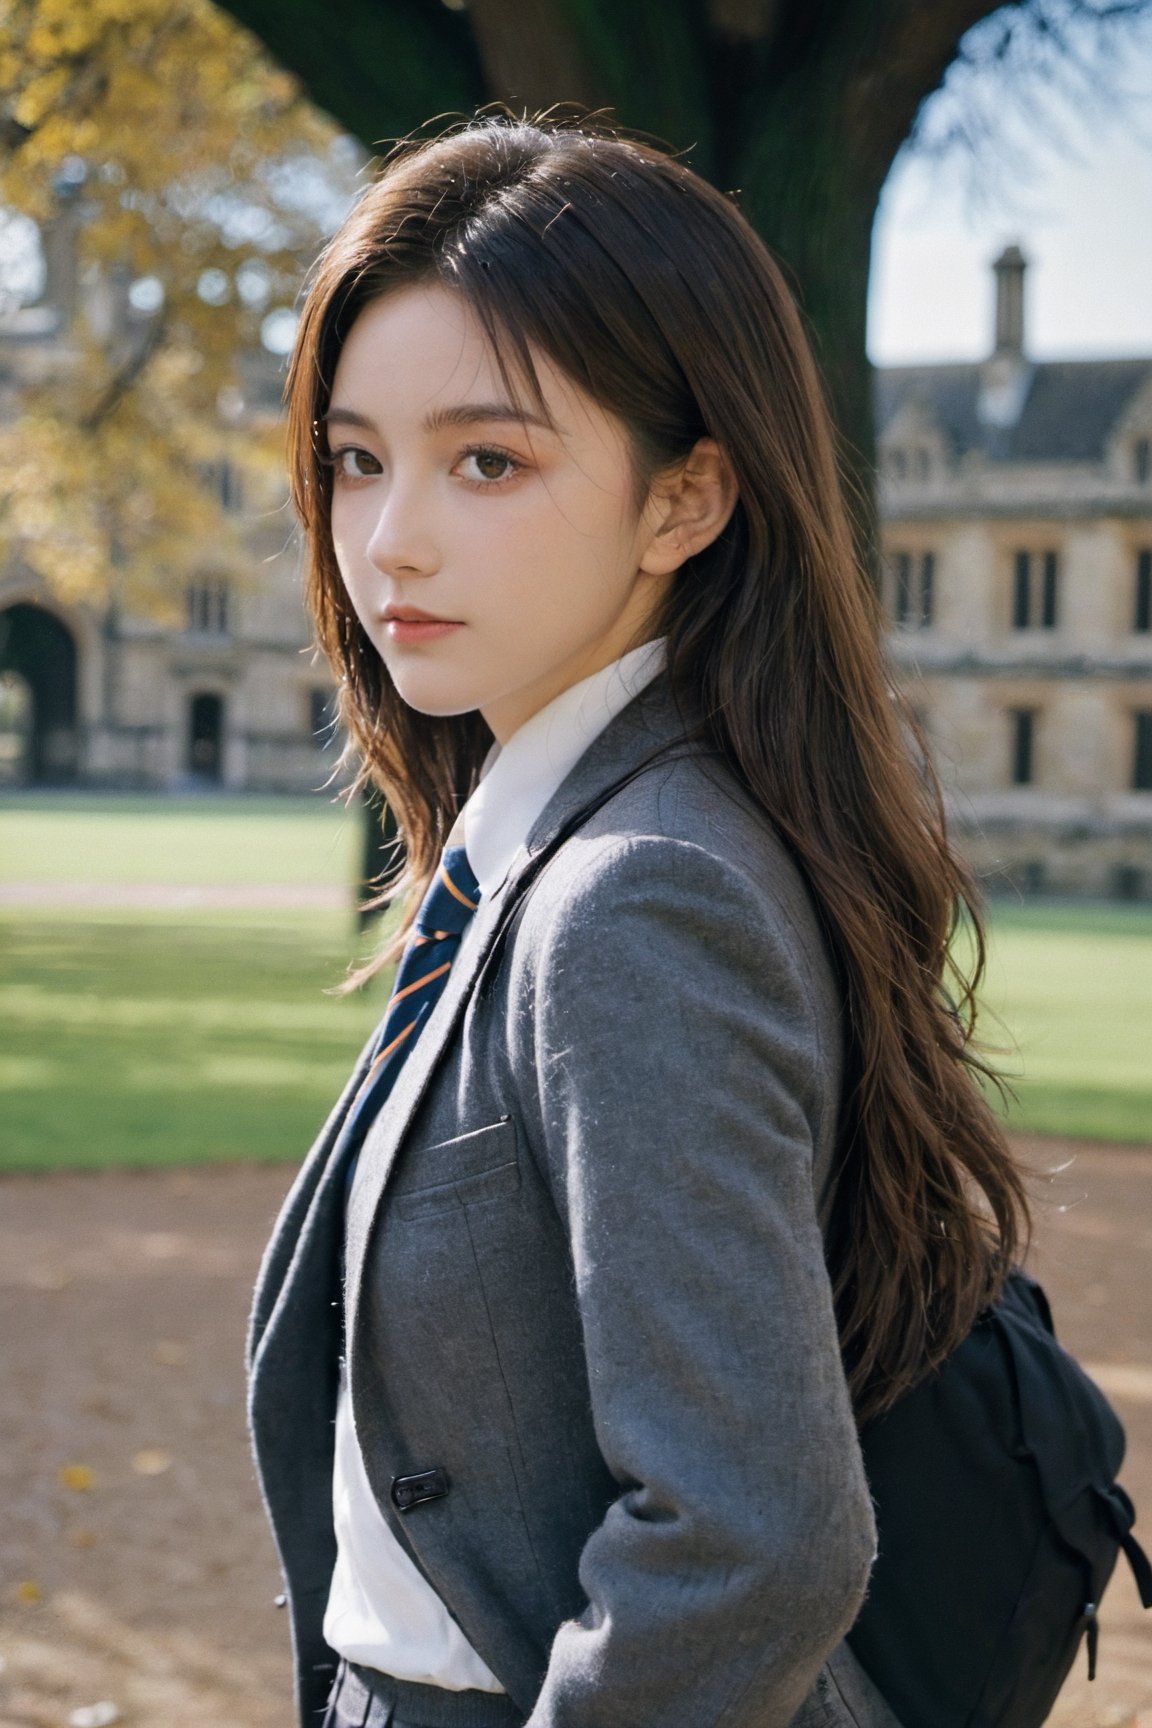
x,y
200,841
143,1038
1068,1004
154,1040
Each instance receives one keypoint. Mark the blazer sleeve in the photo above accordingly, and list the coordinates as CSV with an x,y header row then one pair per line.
x,y
687,1058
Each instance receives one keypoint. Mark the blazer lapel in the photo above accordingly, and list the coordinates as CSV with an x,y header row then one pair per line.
x,y
301,1260
386,1134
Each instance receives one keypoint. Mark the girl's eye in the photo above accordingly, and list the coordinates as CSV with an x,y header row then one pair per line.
x,y
484,466
354,464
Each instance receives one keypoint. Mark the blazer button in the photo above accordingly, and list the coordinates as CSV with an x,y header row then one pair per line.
x,y
409,1491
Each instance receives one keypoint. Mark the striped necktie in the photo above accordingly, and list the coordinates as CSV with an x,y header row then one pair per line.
x,y
444,915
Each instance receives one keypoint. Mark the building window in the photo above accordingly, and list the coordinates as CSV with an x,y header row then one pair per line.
x,y
902,566
913,464
1142,461
1023,721
231,486
208,608
1142,615
1035,590
227,485
225,481
1142,754
1022,591
927,589
914,605
1048,592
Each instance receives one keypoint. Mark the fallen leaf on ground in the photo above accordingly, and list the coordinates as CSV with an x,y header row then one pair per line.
x,y
82,1537
80,1478
152,1461
29,1591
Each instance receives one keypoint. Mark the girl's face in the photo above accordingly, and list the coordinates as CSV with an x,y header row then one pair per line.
x,y
492,559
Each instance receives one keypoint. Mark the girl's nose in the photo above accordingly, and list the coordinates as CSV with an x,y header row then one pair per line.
x,y
401,542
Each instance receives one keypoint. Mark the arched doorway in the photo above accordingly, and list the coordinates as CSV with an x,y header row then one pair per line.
x,y
206,736
40,654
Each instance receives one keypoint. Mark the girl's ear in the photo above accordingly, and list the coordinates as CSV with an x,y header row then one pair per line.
x,y
688,506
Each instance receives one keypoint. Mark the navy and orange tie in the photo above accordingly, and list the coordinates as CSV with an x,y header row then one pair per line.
x,y
444,915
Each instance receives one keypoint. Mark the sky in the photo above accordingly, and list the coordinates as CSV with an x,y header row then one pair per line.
x,y
1071,183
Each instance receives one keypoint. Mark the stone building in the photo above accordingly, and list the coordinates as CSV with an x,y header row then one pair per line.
x,y
1016,502
230,696
104,697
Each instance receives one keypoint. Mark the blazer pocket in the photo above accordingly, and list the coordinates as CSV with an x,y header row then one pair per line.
x,y
464,1171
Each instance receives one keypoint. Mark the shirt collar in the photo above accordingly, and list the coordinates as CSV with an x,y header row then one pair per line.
x,y
519,778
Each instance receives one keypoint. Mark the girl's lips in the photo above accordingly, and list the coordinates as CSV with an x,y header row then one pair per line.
x,y
414,630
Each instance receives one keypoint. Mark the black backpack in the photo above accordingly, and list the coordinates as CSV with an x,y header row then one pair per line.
x,y
1000,1522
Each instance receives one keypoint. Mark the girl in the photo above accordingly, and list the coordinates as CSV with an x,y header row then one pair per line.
x,y
666,1166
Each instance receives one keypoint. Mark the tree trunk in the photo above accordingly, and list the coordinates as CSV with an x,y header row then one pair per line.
x,y
380,857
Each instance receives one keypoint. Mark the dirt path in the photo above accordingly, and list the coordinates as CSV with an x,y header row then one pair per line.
x,y
134,1563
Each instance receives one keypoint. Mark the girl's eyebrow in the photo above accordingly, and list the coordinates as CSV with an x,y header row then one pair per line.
x,y
463,414
348,417
470,413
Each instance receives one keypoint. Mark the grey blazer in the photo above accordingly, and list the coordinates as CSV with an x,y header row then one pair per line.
x,y
591,1345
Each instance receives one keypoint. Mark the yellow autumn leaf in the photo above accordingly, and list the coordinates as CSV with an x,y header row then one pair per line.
x,y
77,1478
39,98
29,1591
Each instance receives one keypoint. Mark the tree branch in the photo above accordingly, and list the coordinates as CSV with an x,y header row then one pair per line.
x,y
124,377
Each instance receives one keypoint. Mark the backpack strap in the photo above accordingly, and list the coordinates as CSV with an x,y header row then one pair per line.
x,y
526,881
1140,1564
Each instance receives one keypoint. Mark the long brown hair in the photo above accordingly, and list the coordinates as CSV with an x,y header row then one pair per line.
x,y
649,289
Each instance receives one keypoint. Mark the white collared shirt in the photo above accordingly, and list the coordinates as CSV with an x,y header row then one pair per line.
x,y
382,1612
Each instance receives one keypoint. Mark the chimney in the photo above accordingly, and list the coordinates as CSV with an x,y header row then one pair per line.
x,y
1006,376
1010,268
